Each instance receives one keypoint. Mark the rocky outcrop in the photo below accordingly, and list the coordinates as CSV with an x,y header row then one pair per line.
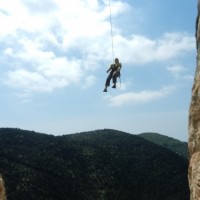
x,y
194,124
2,189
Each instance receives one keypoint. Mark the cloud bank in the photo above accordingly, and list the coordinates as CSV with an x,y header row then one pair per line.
x,y
48,45
131,98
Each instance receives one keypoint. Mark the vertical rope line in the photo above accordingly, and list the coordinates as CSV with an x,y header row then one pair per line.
x,y
111,31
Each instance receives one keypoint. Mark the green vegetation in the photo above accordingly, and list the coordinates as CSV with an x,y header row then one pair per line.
x,y
97,165
181,148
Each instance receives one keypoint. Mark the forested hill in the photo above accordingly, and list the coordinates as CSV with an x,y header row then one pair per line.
x,y
96,165
181,148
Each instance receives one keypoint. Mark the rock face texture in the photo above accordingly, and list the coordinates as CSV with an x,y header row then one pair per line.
x,y
2,189
194,124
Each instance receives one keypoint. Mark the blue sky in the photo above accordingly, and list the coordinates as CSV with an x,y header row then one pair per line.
x,y
54,57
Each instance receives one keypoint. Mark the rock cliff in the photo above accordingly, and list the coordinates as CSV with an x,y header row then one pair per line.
x,y
2,189
194,124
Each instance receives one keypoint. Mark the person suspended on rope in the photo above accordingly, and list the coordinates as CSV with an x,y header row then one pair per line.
x,y
114,70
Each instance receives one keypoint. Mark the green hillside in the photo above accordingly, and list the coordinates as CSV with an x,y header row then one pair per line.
x,y
96,165
181,148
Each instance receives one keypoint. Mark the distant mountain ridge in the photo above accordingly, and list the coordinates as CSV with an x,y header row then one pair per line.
x,y
97,165
181,148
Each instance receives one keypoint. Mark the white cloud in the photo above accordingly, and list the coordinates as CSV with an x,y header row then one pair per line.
x,y
28,81
140,97
188,77
55,44
141,49
89,81
178,71
50,45
54,73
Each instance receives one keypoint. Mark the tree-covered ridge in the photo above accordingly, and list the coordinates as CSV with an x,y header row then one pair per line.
x,y
181,148
97,165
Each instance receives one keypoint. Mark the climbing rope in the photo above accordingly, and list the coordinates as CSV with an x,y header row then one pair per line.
x,y
111,31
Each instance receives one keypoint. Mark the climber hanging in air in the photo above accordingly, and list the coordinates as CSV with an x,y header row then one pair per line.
x,y
114,73
116,67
